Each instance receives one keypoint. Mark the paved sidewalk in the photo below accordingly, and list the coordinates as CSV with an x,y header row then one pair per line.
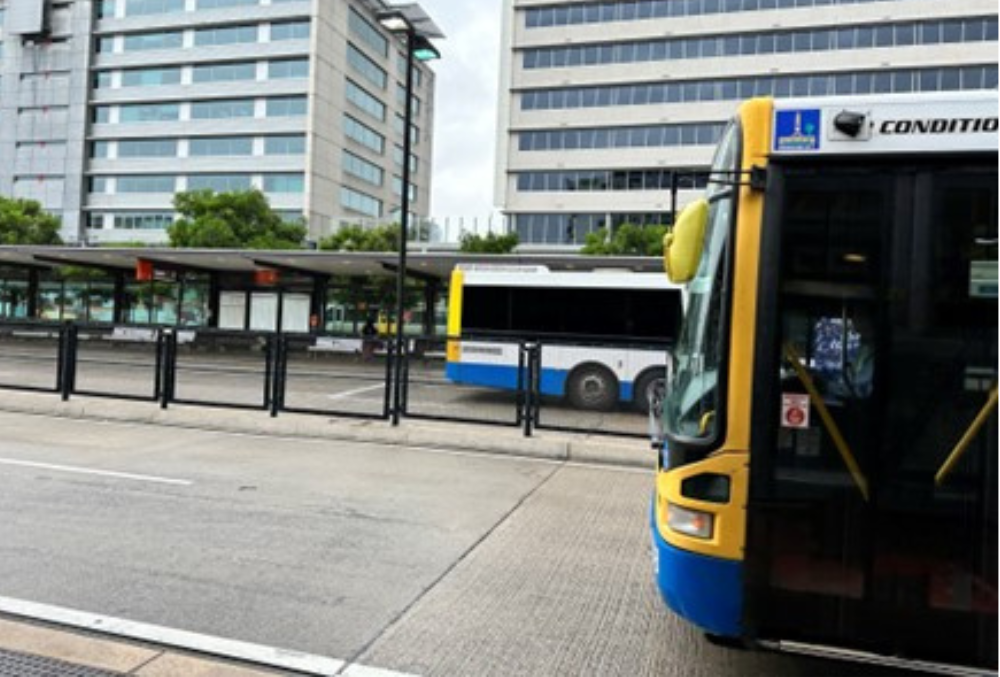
x,y
33,650
557,446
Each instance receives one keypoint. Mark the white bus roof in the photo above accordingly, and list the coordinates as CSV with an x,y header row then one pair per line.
x,y
541,278
939,122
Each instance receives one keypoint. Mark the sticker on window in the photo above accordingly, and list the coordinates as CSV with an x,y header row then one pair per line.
x,y
794,410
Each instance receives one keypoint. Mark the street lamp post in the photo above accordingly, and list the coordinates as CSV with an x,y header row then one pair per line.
x,y
413,25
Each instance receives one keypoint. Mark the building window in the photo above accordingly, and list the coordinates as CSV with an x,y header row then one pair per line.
x,y
217,110
599,180
149,112
653,136
227,72
151,77
288,68
221,146
143,220
362,169
285,145
748,44
291,30
146,184
291,106
364,135
220,183
284,183
638,10
819,84
141,148
361,203
367,33
365,101
366,67
220,4
143,41
227,35
142,7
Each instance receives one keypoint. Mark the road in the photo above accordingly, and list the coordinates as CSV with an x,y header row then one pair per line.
x,y
414,560
329,383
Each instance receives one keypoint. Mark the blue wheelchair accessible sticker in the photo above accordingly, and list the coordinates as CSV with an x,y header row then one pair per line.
x,y
797,130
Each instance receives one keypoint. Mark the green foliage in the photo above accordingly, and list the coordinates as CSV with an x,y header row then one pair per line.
x,y
355,238
24,222
234,220
488,244
626,240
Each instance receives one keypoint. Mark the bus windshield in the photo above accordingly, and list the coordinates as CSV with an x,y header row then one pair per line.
x,y
693,397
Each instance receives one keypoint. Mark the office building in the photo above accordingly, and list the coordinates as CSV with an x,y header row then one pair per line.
x,y
109,107
603,104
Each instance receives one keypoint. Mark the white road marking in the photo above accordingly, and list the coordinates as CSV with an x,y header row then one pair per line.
x,y
356,391
91,471
221,647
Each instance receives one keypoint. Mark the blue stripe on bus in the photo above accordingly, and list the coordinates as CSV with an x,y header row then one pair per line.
x,y
552,382
707,591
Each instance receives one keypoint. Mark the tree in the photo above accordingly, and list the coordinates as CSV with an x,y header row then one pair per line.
x,y
626,240
488,244
233,220
355,238
24,222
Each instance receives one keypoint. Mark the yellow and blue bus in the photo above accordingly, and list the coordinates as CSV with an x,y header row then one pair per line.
x,y
828,477
604,332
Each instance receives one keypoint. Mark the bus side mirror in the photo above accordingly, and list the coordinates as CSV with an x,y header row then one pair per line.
x,y
683,245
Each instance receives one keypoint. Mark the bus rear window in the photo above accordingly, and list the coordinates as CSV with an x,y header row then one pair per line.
x,y
606,313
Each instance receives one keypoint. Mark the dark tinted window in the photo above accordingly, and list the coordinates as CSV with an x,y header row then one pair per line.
x,y
580,312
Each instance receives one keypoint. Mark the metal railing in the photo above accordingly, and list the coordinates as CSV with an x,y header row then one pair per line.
x,y
509,381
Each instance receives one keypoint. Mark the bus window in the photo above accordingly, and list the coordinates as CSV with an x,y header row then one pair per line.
x,y
690,410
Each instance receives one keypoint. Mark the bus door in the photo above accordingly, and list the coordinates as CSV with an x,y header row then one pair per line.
x,y
877,358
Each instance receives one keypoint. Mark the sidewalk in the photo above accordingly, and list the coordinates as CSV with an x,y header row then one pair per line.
x,y
556,446
35,650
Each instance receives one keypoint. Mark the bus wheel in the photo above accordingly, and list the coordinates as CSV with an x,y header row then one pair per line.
x,y
645,389
593,387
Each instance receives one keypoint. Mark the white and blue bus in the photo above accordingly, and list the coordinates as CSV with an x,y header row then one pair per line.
x,y
605,334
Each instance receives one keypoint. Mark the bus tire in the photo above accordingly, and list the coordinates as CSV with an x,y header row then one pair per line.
x,y
645,385
592,387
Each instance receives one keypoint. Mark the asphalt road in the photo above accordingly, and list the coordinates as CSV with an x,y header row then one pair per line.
x,y
328,383
413,560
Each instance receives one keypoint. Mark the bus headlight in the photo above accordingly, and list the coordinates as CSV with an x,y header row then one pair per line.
x,y
690,522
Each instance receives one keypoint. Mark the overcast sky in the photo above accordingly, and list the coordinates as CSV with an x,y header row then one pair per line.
x,y
466,116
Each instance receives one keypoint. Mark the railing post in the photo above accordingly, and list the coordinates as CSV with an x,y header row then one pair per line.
x,y
276,364
532,396
169,366
390,355
404,387
520,402
66,360
158,369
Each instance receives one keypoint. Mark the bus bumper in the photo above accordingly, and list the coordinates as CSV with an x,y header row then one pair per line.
x,y
706,591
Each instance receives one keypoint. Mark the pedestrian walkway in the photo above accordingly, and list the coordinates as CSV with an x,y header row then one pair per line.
x,y
32,650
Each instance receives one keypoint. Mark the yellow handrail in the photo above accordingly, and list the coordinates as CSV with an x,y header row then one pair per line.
x,y
827,418
963,444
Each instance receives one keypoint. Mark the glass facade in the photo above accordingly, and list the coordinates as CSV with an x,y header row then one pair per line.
x,y
638,10
610,179
882,81
644,136
772,42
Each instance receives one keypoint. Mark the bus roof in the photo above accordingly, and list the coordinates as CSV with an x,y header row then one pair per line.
x,y
544,279
939,122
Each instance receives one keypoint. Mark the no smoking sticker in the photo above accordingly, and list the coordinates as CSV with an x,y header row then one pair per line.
x,y
794,410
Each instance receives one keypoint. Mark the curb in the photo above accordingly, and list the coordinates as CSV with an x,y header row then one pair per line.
x,y
626,453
